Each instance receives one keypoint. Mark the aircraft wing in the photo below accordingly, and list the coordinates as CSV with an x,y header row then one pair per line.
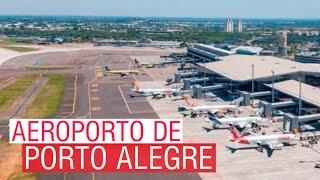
x,y
157,95
269,152
213,111
123,74
272,145
241,124
118,73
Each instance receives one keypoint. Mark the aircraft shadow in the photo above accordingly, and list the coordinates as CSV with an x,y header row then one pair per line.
x,y
233,150
211,129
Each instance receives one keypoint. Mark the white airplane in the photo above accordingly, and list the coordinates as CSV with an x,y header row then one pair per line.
x,y
240,122
121,72
205,109
156,93
270,142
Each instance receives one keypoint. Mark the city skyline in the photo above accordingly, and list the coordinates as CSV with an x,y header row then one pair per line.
x,y
252,9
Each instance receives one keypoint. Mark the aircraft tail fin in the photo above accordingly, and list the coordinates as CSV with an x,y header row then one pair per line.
x,y
136,86
188,101
231,149
235,133
107,68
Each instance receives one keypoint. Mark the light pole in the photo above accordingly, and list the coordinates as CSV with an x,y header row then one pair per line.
x,y
272,86
194,70
252,80
300,94
204,75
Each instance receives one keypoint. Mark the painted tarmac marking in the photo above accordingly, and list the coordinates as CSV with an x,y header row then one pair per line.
x,y
124,99
94,90
95,109
137,101
143,112
67,105
94,85
95,98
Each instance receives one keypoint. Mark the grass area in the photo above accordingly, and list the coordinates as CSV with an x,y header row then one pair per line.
x,y
18,175
14,46
49,67
7,42
48,100
21,49
9,94
10,163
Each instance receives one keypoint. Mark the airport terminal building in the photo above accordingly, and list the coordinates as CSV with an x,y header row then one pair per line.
x,y
280,85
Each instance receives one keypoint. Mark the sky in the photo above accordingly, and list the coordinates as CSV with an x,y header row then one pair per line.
x,y
166,8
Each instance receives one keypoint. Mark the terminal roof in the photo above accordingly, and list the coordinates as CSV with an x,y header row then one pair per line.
x,y
309,94
239,67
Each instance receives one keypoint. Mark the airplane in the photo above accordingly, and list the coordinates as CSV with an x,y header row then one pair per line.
x,y
207,109
240,122
121,72
155,93
269,142
159,64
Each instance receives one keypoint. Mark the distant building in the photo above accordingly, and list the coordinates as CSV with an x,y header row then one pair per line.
x,y
283,44
144,40
307,57
207,52
239,26
247,50
228,26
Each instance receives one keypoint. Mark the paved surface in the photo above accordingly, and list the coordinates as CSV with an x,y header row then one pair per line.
x,y
294,162
66,107
108,97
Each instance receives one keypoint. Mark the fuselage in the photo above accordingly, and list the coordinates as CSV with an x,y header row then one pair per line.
x,y
237,120
155,91
123,71
207,108
265,139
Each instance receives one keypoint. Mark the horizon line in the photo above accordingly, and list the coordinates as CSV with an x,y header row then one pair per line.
x,y
182,17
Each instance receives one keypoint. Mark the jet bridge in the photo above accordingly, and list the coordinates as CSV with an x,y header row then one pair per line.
x,y
247,96
268,107
198,90
189,81
292,122
179,76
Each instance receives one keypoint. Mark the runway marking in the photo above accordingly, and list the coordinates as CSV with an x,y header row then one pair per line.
x,y
67,105
124,99
99,74
95,98
93,176
94,85
95,109
137,101
98,71
7,80
143,112
90,105
70,88
75,95
94,90
68,99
